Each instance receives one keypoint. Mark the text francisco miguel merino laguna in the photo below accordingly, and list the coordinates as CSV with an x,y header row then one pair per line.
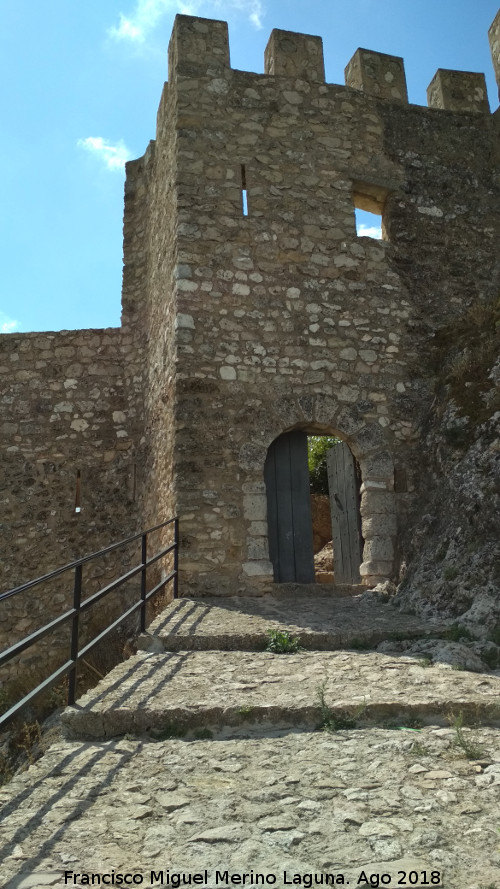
x,y
176,880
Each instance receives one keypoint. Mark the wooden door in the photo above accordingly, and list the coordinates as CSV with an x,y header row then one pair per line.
x,y
344,509
289,509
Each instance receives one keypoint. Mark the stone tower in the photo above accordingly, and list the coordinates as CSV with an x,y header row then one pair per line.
x,y
252,309
263,310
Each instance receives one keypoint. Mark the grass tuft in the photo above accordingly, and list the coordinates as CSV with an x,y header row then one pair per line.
x,y
280,642
469,746
334,722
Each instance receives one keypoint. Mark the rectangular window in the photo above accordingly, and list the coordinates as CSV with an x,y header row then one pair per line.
x,y
369,205
244,194
78,492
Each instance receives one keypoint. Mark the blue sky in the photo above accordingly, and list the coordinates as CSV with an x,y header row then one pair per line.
x,y
81,82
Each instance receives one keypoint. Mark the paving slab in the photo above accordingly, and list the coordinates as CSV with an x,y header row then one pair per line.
x,y
321,620
364,801
196,690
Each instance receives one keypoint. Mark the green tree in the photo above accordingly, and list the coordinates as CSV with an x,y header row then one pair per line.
x,y
317,448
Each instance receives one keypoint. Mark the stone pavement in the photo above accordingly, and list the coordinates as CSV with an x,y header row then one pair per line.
x,y
213,766
328,619
215,690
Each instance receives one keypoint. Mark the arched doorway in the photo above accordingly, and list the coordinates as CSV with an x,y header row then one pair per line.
x,y
289,516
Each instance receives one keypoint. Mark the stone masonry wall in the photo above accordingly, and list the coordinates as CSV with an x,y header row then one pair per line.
x,y
289,320
148,309
251,307
69,405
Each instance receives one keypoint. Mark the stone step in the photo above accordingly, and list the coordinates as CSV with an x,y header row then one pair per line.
x,y
188,693
377,802
321,621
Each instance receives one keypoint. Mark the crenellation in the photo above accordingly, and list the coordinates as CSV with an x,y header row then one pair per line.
x,y
458,91
377,74
198,47
294,55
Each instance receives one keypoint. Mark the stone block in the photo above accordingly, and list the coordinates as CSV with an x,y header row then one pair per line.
x,y
374,485
325,409
375,570
258,549
255,507
198,47
377,503
261,568
377,74
378,466
370,438
458,91
382,524
252,456
378,549
294,55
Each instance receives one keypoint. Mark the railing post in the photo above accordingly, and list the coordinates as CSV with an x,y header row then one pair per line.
x,y
77,597
176,558
144,559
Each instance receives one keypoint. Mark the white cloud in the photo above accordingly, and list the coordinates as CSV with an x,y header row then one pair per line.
x,y
114,156
252,8
370,231
7,325
147,14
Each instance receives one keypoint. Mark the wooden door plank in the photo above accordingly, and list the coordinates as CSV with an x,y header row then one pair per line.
x,y
352,503
272,509
336,512
289,509
285,510
344,508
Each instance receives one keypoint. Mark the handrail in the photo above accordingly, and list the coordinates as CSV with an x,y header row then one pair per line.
x,y
101,552
69,668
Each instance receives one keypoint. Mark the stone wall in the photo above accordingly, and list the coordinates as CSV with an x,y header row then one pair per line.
x,y
289,319
251,307
71,418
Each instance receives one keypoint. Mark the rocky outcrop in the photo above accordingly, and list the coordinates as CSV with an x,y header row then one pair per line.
x,y
452,565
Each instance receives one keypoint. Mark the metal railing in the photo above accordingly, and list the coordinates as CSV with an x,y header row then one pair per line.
x,y
72,616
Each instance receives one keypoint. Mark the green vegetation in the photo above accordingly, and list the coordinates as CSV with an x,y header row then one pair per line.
x,y
456,633
468,745
359,644
168,731
420,749
334,722
317,448
245,711
280,642
202,734
414,723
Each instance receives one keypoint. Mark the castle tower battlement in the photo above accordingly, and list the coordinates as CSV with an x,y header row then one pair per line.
x,y
200,45
377,74
294,55
274,313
